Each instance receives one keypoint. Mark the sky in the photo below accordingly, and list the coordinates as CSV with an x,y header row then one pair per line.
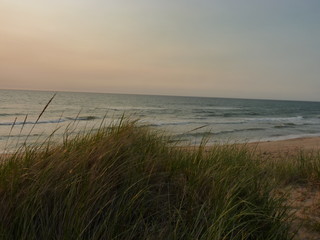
x,y
214,48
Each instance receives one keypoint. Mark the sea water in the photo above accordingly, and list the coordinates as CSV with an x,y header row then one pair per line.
x,y
187,119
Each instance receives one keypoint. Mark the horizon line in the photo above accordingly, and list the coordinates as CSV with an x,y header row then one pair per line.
x,y
160,95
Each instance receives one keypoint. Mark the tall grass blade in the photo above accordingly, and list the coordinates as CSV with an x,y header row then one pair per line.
x,y
12,126
40,115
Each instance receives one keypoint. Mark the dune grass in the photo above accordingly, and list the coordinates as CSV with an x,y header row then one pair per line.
x,y
128,182
302,168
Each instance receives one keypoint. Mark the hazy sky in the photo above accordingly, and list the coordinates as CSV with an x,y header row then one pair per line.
x,y
219,48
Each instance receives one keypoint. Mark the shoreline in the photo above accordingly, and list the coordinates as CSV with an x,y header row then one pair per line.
x,y
274,148
268,150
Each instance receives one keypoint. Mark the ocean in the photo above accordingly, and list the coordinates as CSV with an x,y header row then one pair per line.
x,y
187,119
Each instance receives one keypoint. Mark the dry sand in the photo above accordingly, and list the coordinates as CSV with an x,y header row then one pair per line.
x,y
303,200
287,147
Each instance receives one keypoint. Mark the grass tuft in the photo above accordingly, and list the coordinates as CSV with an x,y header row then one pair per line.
x,y
127,182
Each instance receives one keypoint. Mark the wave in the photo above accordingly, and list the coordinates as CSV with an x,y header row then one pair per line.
x,y
21,136
286,137
230,122
238,130
123,108
286,125
203,134
222,122
173,123
275,122
218,113
31,122
221,108
11,114
275,119
233,114
82,118
279,122
267,119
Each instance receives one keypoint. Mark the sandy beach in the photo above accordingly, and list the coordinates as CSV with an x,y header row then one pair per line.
x,y
286,148
273,149
302,199
281,148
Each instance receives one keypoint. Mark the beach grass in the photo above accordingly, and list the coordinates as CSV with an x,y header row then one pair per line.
x,y
129,182
302,168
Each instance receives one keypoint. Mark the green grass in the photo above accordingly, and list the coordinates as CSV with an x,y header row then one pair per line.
x,y
127,182
303,168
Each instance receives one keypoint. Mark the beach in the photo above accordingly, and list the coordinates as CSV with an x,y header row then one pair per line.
x,y
302,199
269,149
286,148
